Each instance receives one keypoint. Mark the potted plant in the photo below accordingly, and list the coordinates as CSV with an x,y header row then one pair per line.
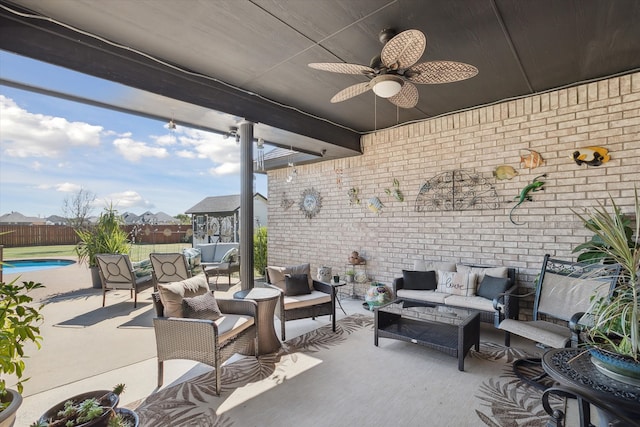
x,y
105,237
20,321
96,409
614,335
349,275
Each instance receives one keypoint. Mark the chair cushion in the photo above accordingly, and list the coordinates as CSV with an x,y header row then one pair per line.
x,y
296,284
313,298
171,294
277,275
201,307
490,287
230,325
457,283
230,255
550,334
419,280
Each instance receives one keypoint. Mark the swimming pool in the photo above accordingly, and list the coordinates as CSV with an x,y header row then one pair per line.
x,y
18,266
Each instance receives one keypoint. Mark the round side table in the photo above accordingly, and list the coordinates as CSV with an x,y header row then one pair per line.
x,y
266,299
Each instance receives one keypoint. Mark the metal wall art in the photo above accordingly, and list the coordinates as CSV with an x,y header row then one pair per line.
x,y
310,202
395,191
286,203
375,205
353,196
456,190
531,160
536,185
591,156
505,172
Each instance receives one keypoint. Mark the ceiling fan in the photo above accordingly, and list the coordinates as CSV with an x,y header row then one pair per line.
x,y
393,73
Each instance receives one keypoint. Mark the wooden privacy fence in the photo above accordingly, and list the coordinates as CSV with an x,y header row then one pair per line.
x,y
12,236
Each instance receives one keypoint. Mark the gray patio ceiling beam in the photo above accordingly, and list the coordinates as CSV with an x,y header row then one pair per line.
x,y
51,43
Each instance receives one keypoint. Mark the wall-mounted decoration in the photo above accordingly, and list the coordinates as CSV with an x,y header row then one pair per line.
x,y
339,177
356,259
310,202
286,203
395,191
531,160
536,185
375,205
591,156
353,196
504,172
456,190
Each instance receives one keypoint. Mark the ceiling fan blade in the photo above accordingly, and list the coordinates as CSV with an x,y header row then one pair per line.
x,y
436,72
403,50
350,92
407,97
341,67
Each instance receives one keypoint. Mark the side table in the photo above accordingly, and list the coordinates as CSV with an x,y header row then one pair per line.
x,y
334,288
266,299
577,375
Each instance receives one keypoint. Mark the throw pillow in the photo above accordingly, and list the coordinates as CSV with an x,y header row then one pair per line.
x,y
277,275
230,255
202,306
456,283
296,284
171,294
490,287
419,280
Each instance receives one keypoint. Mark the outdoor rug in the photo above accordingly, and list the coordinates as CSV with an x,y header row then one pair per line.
x,y
323,378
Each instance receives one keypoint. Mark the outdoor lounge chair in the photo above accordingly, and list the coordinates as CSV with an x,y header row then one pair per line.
x,y
320,301
168,267
199,339
562,297
116,272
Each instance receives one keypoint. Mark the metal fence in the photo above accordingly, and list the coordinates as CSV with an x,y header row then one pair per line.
x,y
12,236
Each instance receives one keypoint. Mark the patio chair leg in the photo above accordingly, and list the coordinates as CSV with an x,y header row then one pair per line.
x,y
160,373
104,296
282,329
135,300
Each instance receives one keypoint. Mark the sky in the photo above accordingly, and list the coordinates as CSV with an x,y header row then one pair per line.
x,y
50,148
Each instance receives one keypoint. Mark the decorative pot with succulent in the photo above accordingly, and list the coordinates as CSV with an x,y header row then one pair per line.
x,y
105,237
91,409
614,336
20,320
349,275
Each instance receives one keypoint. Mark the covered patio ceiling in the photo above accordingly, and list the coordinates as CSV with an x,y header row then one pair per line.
x,y
234,60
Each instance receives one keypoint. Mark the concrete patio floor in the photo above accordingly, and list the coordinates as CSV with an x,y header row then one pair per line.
x,y
88,347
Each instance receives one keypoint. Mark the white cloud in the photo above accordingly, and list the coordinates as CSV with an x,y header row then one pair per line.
x,y
165,139
124,200
26,134
36,165
186,154
67,187
225,169
133,151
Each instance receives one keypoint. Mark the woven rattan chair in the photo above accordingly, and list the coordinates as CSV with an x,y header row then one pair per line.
x,y
206,341
562,296
116,272
320,302
169,267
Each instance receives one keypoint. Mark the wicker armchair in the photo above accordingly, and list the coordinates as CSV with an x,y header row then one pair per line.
x,y
206,341
320,302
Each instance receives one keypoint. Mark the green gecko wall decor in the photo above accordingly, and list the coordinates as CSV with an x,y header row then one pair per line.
x,y
536,185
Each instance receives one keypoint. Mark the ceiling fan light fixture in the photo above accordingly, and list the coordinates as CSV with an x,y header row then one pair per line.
x,y
387,86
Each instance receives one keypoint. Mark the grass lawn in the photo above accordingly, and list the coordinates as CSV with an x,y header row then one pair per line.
x,y
137,253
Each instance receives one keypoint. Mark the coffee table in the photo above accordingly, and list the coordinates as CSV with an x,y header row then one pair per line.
x,y
448,329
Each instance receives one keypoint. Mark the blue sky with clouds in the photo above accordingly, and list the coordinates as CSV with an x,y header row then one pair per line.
x,y
50,148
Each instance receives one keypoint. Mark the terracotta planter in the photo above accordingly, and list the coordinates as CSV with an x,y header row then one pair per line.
x,y
8,416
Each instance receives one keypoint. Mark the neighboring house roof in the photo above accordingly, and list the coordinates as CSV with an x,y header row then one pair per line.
x,y
220,204
130,218
18,218
57,220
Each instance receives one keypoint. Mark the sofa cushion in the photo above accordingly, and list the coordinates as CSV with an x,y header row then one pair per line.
x,y
457,283
429,265
230,255
296,284
213,252
277,274
428,296
419,280
472,302
171,294
482,271
490,287
305,300
202,306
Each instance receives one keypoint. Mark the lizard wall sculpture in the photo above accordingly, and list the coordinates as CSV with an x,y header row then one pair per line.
x,y
536,185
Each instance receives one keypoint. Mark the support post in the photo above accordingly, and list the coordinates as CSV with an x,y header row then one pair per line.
x,y
246,205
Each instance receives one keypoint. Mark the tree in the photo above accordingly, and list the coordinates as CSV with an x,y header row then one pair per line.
x,y
77,207
260,250
183,218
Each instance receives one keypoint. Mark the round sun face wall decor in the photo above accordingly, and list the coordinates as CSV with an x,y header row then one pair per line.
x,y
310,202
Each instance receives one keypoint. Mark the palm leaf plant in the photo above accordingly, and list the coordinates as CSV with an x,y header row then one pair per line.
x,y
105,237
616,319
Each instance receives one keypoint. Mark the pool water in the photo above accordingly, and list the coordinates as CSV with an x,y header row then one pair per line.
x,y
18,266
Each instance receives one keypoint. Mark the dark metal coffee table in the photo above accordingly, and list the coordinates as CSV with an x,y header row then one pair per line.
x,y
450,330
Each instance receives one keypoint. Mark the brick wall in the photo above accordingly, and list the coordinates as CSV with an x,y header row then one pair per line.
x,y
604,113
